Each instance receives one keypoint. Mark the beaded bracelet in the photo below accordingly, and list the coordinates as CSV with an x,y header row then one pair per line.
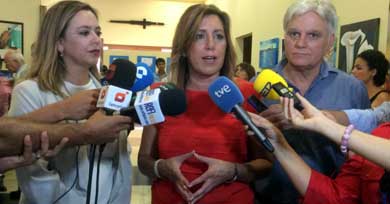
x,y
155,168
345,138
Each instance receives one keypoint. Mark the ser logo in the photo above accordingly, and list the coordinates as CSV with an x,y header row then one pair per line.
x,y
120,97
267,88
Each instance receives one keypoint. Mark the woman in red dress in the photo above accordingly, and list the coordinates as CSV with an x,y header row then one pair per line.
x,y
204,154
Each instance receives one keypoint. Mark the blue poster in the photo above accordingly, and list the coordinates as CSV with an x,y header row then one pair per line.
x,y
149,60
114,57
269,53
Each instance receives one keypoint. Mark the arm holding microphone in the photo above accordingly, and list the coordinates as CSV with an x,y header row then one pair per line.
x,y
76,107
271,85
373,148
97,130
314,186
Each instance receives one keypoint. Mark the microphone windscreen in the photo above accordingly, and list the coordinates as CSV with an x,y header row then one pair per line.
x,y
173,102
265,80
144,77
225,94
121,73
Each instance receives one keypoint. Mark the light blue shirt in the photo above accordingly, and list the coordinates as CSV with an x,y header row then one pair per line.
x,y
368,119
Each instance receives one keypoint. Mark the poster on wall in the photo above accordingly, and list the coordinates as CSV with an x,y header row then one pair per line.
x,y
331,56
149,60
114,57
354,39
11,36
268,54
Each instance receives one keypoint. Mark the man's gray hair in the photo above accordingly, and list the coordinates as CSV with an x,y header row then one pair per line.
x,y
16,55
324,8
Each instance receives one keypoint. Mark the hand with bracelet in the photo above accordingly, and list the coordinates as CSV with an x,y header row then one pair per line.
x,y
354,181
170,169
374,149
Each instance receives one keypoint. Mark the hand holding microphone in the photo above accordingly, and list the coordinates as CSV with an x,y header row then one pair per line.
x,y
272,86
145,107
228,98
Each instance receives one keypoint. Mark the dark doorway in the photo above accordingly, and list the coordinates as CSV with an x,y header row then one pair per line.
x,y
247,49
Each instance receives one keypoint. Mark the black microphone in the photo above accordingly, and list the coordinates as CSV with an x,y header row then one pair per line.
x,y
121,73
151,106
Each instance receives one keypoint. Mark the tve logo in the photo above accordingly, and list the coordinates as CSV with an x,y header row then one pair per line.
x,y
120,97
223,90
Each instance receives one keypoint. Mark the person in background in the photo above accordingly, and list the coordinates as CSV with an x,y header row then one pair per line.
x,y
309,32
359,180
14,62
245,71
103,70
203,155
160,75
64,64
371,67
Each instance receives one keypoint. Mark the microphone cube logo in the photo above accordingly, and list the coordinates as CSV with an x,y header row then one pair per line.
x,y
148,108
141,72
120,97
267,88
114,98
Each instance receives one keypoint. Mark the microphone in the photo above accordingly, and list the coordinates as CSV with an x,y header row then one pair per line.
x,y
118,81
228,98
151,106
122,79
271,85
143,78
121,73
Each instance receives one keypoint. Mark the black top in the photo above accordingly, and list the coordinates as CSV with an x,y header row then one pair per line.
x,y
372,99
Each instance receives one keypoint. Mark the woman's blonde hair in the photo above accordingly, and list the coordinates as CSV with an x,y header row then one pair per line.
x,y
47,66
184,37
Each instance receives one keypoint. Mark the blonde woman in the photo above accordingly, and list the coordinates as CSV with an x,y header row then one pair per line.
x,y
64,64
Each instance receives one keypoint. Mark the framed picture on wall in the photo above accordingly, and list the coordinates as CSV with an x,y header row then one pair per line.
x,y
114,57
149,60
354,39
11,36
269,53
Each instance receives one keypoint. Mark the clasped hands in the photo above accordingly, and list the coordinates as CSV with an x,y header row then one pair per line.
x,y
218,172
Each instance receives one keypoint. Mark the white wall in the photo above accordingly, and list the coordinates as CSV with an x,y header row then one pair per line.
x,y
125,34
263,18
